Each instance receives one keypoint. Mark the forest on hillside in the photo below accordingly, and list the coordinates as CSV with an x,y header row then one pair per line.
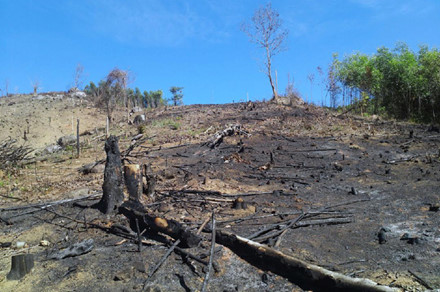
x,y
398,83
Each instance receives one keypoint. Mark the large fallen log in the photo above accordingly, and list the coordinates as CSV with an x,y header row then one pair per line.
x,y
135,210
305,275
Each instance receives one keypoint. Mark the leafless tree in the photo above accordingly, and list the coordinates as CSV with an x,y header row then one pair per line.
x,y
311,78
114,89
35,85
78,76
6,87
266,31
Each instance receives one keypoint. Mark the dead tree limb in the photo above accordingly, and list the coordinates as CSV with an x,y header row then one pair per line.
x,y
159,264
52,203
229,131
299,272
11,154
211,257
134,210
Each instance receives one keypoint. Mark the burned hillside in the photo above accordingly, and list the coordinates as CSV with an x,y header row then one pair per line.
x,y
358,196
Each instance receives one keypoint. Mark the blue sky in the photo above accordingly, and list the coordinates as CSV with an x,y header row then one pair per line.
x,y
197,44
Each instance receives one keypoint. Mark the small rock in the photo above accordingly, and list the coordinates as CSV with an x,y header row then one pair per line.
x,y
382,236
123,275
44,242
52,149
434,208
67,140
139,119
5,244
163,208
20,244
337,166
140,267
75,249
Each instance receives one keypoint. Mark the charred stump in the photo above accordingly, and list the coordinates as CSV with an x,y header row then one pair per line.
x,y
112,187
148,181
21,265
133,179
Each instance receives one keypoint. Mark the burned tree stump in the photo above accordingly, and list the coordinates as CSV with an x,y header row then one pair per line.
x,y
112,187
148,181
133,179
21,265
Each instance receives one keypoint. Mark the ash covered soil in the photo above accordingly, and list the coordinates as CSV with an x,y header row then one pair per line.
x,y
349,179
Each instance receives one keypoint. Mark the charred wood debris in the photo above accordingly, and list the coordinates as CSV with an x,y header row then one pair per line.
x,y
258,248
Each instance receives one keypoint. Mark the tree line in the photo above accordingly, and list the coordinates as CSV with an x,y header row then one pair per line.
x,y
398,82
134,97
113,90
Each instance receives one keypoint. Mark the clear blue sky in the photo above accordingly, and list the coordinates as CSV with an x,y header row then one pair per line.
x,y
197,44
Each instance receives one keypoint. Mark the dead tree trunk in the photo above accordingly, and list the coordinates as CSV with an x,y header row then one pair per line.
x,y
112,187
133,181
148,181
20,265
303,274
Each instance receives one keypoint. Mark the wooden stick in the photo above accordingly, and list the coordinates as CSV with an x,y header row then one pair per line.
x,y
138,235
52,203
420,280
162,260
205,281
77,138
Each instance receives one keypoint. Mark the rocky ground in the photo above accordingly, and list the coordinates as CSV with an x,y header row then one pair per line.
x,y
351,178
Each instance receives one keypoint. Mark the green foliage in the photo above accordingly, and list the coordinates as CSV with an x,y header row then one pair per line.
x,y
147,99
142,129
177,98
170,123
403,83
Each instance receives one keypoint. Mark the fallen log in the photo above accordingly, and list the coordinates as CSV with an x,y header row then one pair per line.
x,y
135,210
305,275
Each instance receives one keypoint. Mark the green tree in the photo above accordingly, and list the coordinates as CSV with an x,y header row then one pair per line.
x,y
403,83
177,98
137,97
147,100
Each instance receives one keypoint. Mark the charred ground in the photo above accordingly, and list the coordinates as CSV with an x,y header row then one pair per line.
x,y
350,176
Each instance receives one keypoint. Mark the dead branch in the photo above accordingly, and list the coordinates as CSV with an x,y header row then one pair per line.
x,y
162,260
52,203
135,210
229,131
11,154
299,272
211,257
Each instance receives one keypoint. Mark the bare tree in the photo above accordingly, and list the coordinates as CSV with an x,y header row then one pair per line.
x,y
321,83
114,90
6,87
311,78
78,76
35,85
266,31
